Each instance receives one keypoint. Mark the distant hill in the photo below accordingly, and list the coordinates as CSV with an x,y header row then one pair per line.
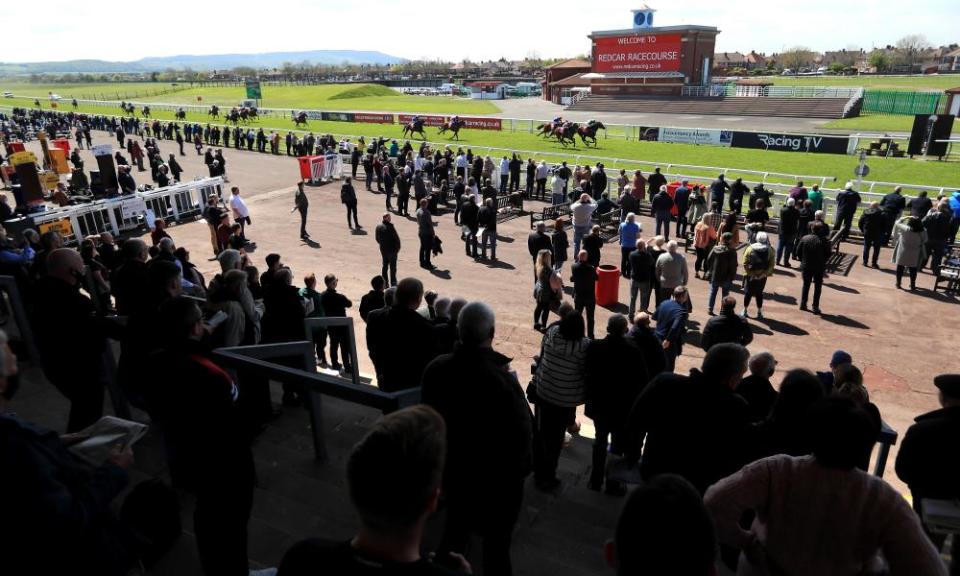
x,y
208,62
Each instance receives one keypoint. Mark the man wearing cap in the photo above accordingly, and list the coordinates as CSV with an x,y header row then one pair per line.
x,y
839,359
847,202
928,460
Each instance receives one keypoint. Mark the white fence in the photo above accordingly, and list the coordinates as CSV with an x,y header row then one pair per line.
x,y
179,202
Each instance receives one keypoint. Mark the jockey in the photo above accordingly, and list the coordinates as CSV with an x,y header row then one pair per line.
x,y
415,120
558,121
455,120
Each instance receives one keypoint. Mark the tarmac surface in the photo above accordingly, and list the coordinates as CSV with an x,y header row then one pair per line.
x,y
900,340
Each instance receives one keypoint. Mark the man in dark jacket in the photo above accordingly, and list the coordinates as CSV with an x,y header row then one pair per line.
x,y
485,473
649,345
871,225
727,327
641,276
76,366
616,374
789,225
129,280
598,181
584,285
56,507
924,461
389,242
193,401
937,225
847,202
348,197
335,305
920,206
671,318
655,181
662,204
813,251
402,342
737,192
695,425
892,205
538,240
756,388
718,189
681,199
487,219
469,219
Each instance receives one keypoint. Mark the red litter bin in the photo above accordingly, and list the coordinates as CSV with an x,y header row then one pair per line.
x,y
672,191
607,289
15,147
63,144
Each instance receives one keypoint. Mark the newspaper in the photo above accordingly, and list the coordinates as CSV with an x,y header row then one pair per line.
x,y
103,435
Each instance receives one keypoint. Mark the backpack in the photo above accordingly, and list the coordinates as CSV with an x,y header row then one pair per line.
x,y
757,259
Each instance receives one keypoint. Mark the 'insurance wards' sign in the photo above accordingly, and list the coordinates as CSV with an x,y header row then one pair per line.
x,y
637,53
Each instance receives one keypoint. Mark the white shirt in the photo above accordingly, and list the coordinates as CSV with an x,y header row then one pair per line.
x,y
461,161
504,166
239,207
582,213
541,171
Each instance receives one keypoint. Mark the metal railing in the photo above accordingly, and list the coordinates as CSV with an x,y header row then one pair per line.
x,y
180,202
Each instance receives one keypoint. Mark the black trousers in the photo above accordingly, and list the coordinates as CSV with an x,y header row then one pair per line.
x,y
844,221
552,423
85,392
303,222
753,288
625,270
590,305
220,525
489,512
426,245
815,278
339,346
352,210
606,435
913,274
389,262
869,243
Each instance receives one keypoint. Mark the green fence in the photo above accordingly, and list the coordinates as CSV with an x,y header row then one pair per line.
x,y
897,102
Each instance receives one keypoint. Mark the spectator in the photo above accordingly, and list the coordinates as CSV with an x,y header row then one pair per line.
x,y
241,214
663,529
641,280
605,205
671,318
76,366
757,219
207,447
655,182
671,270
560,389
560,244
537,241
651,349
717,190
698,207
756,388
662,204
871,226
584,289
548,290
694,426
721,269
759,262
470,224
615,375
798,193
937,226
484,475
56,509
335,305
426,233
813,251
822,502
786,430
639,187
909,251
892,205
389,242
372,300
582,214
789,227
629,232
815,196
402,341
847,202
409,448
727,327
348,197
704,238
593,244
737,191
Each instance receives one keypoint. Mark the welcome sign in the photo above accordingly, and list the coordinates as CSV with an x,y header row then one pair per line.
x,y
637,53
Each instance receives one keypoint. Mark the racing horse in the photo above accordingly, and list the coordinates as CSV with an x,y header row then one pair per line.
x,y
247,114
214,111
588,133
545,129
414,128
75,104
145,111
566,133
180,114
233,116
452,127
299,119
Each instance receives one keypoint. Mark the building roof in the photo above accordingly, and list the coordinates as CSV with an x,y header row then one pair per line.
x,y
656,30
572,63
575,80
953,90
728,57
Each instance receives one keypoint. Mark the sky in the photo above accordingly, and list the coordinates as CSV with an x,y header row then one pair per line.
x,y
452,31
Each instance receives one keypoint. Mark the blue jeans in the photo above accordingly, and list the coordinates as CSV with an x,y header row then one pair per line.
x,y
491,237
578,233
663,220
558,198
785,248
724,287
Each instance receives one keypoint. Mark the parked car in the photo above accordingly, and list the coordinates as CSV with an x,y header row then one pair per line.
x,y
787,72
8,94
822,70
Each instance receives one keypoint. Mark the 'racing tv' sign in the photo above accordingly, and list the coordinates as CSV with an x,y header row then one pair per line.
x,y
791,142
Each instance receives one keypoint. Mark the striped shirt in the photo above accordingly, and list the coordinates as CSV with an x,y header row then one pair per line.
x,y
561,373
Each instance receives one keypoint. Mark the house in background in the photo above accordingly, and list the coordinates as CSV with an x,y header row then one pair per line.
x,y
562,77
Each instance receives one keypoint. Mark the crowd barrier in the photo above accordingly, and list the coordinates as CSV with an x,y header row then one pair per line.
x,y
180,202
